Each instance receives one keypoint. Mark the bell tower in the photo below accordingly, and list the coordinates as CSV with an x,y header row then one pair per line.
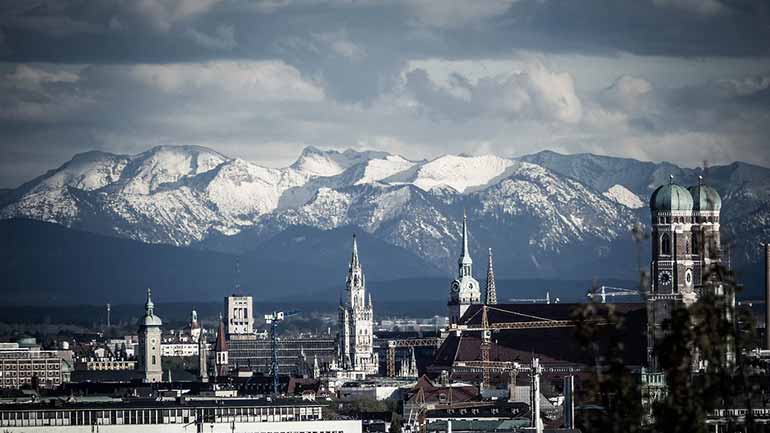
x,y
672,282
149,343
464,290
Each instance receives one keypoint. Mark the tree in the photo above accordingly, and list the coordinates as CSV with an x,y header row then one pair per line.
x,y
613,387
395,423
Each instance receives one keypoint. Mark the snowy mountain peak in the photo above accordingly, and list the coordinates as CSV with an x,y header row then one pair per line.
x,y
87,171
544,206
316,162
463,173
147,171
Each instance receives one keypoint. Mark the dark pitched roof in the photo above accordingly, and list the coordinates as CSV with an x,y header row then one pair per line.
x,y
442,394
551,345
221,343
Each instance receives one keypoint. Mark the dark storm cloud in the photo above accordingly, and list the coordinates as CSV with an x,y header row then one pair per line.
x,y
261,79
152,31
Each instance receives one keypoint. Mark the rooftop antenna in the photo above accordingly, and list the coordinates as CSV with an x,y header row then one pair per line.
x,y
108,315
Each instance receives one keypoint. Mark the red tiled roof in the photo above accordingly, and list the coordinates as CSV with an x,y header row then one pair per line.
x,y
442,394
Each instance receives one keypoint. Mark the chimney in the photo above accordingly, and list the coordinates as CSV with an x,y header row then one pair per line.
x,y
767,295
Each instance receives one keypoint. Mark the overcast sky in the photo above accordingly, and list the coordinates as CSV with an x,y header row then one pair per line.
x,y
677,80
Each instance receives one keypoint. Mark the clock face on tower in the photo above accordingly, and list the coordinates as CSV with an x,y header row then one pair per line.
x,y
664,278
455,287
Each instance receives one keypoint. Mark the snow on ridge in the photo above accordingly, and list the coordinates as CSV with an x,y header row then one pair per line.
x,y
240,187
166,164
87,171
317,162
379,169
461,172
622,195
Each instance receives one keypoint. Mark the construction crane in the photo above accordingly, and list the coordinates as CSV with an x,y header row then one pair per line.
x,y
486,328
605,291
408,342
546,300
272,319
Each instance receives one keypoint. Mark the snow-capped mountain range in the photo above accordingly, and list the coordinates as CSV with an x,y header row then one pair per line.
x,y
546,214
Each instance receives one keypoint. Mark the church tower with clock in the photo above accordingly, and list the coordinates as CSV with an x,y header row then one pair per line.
x,y
685,244
464,290
149,353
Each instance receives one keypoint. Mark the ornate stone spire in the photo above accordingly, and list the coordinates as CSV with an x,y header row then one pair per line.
x,y
491,295
354,262
465,262
149,307
355,273
465,256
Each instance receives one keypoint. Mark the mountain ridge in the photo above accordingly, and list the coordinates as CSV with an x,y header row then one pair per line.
x,y
544,214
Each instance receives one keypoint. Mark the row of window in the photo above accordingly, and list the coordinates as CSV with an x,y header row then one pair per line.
x,y
155,416
14,383
665,244
28,373
28,366
26,355
688,219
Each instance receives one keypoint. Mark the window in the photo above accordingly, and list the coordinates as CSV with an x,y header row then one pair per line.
x,y
695,242
153,359
665,244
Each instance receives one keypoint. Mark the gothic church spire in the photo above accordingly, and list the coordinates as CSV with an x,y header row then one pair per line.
x,y
354,262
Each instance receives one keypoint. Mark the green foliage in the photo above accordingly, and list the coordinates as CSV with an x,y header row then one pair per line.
x,y
682,409
701,354
395,423
364,405
613,387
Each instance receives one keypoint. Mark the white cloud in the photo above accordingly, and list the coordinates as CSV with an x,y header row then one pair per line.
x,y
534,92
260,80
40,94
456,13
25,75
627,93
699,7
160,15
746,86
223,38
339,43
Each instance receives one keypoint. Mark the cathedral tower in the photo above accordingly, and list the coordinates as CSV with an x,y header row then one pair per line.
x,y
685,245
356,333
149,343
464,290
